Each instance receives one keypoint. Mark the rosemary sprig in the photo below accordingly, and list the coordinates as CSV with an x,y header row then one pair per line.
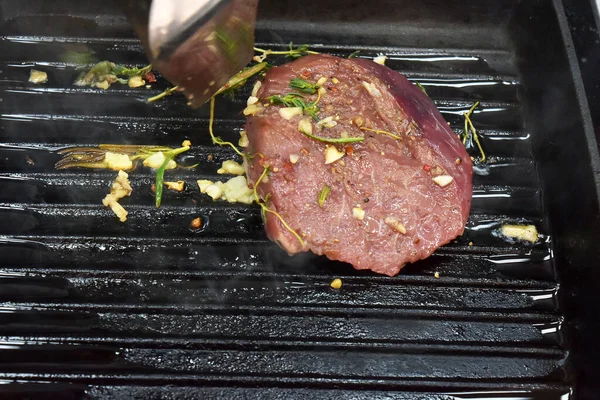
x,y
265,207
240,79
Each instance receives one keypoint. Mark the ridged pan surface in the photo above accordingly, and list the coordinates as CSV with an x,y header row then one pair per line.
x,y
94,308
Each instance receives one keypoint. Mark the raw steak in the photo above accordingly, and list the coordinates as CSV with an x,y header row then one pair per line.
x,y
394,198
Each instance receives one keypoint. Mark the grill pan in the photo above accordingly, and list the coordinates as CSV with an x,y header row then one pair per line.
x,y
94,309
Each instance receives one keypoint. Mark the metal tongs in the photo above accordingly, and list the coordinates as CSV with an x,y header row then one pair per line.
x,y
196,44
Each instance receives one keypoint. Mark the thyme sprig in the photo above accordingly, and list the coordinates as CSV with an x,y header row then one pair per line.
x,y
296,100
264,205
470,132
297,52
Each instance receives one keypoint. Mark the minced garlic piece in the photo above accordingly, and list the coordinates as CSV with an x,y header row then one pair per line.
x,y
117,161
372,89
255,88
288,113
294,158
103,85
38,77
120,188
156,160
358,213
336,284
436,275
177,186
231,167
243,142
335,81
332,154
521,232
305,126
327,122
395,224
380,60
135,81
186,143
251,100
234,190
321,81
443,180
252,109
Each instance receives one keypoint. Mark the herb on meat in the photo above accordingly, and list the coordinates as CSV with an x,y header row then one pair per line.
x,y
323,195
264,205
306,129
295,100
421,87
470,132
381,132
240,79
303,86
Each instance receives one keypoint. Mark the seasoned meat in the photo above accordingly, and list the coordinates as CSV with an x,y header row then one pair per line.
x,y
393,198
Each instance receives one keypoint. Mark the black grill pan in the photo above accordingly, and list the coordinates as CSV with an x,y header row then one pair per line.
x,y
94,309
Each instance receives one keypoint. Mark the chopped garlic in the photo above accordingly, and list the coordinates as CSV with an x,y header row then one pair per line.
x,y
37,77
136,81
332,154
327,122
255,88
231,167
290,112
372,89
252,100
214,190
395,224
322,91
103,85
380,60
203,184
358,213
120,188
443,180
335,81
156,160
243,142
521,232
294,158
321,81
117,161
252,109
235,190
336,284
186,143
176,186
305,126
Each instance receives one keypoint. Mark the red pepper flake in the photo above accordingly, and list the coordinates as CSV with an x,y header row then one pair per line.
x,y
349,150
149,77
305,74
288,166
426,168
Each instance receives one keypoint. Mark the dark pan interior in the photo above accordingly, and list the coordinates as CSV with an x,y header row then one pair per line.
x,y
91,308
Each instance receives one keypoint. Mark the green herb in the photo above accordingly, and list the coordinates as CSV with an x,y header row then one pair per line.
x,y
240,79
323,195
421,87
216,139
297,52
160,172
264,205
295,100
333,140
470,132
106,73
303,86
354,54
163,94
